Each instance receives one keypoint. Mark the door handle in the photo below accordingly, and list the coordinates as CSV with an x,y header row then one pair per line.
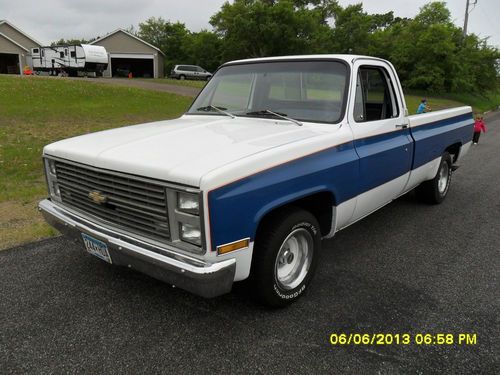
x,y
402,126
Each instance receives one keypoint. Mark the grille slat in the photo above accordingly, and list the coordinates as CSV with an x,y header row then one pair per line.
x,y
116,200
127,182
134,204
123,189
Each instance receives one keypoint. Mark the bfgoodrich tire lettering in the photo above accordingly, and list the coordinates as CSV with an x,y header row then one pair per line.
x,y
285,256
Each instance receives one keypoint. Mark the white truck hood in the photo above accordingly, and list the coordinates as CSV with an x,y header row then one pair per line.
x,y
181,150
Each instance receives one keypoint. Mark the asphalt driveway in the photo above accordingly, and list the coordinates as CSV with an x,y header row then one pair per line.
x,y
409,268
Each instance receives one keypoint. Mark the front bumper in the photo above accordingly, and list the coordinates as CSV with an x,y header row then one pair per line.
x,y
188,273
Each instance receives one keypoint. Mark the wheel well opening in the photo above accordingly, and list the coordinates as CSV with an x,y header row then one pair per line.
x,y
319,204
454,150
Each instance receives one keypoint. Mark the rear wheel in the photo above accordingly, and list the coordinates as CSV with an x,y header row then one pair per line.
x,y
434,191
285,256
182,77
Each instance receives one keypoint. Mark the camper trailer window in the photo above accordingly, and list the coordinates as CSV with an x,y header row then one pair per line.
x,y
73,54
61,54
65,52
35,50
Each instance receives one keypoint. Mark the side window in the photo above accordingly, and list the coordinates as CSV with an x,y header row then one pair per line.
x,y
375,96
35,50
61,55
72,54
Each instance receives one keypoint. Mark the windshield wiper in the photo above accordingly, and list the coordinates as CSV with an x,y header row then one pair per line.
x,y
218,109
276,114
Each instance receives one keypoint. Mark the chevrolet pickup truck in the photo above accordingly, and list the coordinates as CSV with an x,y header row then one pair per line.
x,y
273,155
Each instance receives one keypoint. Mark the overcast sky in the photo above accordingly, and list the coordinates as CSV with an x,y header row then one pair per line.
x,y
50,20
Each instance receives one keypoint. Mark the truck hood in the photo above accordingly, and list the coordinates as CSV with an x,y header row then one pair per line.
x,y
180,150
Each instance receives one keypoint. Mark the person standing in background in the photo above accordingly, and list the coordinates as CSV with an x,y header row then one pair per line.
x,y
479,126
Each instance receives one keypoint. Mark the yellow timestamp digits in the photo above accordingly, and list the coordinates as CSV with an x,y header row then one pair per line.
x,y
342,339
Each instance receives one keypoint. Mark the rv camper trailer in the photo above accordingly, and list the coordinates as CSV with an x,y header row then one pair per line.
x,y
70,59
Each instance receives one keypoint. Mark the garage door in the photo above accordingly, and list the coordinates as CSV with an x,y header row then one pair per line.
x,y
9,63
138,65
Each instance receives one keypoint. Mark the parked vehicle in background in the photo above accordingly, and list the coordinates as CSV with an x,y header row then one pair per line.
x,y
190,72
273,155
70,59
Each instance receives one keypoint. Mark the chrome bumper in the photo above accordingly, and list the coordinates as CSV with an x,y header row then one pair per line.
x,y
188,273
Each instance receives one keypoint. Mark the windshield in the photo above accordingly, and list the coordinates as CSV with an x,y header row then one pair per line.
x,y
302,90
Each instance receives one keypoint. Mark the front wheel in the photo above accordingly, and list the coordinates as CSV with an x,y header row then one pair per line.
x,y
285,256
434,191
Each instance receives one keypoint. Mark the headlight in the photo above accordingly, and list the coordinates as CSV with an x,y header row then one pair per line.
x,y
190,233
51,175
52,167
188,203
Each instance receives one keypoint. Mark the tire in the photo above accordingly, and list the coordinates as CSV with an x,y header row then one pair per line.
x,y
182,77
434,191
285,257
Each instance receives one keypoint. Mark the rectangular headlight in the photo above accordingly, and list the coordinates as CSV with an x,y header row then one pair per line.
x,y
190,233
188,203
51,176
51,166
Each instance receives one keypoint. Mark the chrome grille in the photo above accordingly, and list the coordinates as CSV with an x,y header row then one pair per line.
x,y
132,203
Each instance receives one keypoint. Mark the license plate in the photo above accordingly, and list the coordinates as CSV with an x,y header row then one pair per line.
x,y
96,247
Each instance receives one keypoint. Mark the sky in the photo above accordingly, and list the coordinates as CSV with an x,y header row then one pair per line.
x,y
51,20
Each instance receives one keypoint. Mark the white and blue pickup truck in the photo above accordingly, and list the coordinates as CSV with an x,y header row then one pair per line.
x,y
274,155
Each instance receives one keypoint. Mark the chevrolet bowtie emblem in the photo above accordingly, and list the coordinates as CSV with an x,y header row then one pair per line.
x,y
97,197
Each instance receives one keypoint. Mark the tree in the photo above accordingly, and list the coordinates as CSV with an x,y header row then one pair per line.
x,y
171,38
253,28
69,42
204,49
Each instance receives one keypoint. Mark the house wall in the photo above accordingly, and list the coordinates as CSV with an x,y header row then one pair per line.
x,y
17,36
123,43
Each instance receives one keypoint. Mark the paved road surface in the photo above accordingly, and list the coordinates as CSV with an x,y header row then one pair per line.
x,y
407,268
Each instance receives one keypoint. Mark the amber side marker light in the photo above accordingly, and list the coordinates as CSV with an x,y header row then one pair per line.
x,y
233,246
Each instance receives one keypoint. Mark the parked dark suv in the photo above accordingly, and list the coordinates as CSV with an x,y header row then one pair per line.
x,y
190,72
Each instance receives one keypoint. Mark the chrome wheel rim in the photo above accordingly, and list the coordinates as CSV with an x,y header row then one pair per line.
x,y
444,176
294,259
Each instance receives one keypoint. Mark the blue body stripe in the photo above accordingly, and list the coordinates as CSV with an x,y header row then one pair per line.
x,y
432,139
236,209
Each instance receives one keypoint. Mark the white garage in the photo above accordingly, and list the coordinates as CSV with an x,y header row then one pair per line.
x,y
130,54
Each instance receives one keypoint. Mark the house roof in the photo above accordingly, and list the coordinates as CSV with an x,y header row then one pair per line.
x,y
13,41
20,31
129,34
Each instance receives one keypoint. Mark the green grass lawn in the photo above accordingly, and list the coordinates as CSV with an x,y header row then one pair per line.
x,y
479,104
413,101
36,111
189,83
